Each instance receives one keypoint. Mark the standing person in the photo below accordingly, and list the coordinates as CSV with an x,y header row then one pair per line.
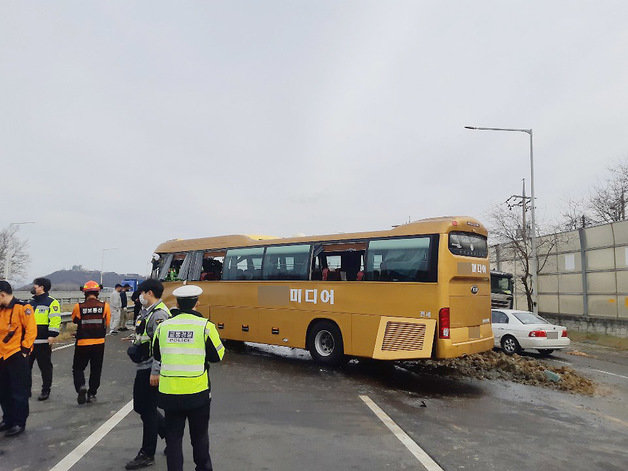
x,y
182,348
92,317
48,318
153,313
18,331
115,302
137,305
123,311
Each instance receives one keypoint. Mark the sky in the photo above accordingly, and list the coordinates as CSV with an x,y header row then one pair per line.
x,y
125,124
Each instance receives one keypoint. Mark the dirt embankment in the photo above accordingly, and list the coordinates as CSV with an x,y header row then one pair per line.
x,y
498,365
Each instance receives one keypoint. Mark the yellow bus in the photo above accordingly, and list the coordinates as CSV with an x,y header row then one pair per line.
x,y
419,290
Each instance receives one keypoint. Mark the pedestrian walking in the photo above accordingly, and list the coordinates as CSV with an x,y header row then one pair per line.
x,y
123,307
18,331
48,318
92,317
153,313
115,303
183,346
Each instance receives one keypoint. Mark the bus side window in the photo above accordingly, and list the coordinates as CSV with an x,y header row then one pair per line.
x,y
243,264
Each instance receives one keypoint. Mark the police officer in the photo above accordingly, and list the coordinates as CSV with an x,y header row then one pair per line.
x,y
48,318
92,317
153,313
17,334
182,347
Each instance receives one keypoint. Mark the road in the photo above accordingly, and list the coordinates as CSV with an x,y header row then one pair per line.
x,y
274,409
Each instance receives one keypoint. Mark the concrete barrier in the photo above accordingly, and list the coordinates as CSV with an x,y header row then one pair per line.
x,y
598,325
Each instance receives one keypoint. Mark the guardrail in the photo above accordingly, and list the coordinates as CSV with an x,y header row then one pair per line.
x,y
66,318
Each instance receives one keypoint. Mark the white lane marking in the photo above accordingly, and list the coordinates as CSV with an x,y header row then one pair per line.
x,y
75,455
415,449
61,347
609,373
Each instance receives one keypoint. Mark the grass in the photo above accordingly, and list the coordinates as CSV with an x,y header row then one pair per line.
x,y
599,339
66,334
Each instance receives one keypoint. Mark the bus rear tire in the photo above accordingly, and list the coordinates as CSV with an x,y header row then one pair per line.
x,y
325,343
234,345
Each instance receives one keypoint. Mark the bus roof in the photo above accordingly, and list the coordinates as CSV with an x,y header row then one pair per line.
x,y
439,225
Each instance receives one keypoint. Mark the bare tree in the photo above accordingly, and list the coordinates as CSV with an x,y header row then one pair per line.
x,y
506,228
15,248
575,215
608,200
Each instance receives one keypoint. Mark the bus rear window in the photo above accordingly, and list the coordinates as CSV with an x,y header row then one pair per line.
x,y
403,259
468,244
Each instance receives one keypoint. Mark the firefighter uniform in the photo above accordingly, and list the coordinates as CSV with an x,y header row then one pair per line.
x,y
48,318
182,348
92,318
17,334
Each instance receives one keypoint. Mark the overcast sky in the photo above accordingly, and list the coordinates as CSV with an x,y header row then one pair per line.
x,y
124,124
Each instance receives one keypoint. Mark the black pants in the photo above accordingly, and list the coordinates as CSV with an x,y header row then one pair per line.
x,y
145,404
198,420
42,352
92,354
14,374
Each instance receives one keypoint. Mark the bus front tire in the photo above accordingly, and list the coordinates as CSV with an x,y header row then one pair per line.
x,y
325,343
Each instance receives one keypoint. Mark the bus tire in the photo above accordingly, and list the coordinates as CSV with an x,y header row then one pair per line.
x,y
325,343
234,345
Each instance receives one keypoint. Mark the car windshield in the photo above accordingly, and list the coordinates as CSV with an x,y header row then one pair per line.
x,y
529,318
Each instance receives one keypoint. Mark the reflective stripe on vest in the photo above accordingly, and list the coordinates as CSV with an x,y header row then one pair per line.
x,y
182,346
48,315
143,337
92,322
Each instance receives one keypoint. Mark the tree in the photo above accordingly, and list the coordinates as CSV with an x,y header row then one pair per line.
x,y
607,202
506,227
576,215
15,247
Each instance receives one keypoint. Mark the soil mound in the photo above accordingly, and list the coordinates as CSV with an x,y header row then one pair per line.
x,y
497,365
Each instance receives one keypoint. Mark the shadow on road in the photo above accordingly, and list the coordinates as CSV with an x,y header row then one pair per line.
x,y
382,374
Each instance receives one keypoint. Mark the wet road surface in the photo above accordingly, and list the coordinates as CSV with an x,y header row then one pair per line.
x,y
274,409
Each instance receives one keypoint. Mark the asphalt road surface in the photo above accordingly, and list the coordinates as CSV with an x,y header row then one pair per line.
x,y
274,409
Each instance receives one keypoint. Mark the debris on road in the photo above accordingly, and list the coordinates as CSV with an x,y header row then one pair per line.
x,y
494,365
578,354
553,377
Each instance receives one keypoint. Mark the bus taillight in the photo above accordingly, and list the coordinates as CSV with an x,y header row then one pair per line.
x,y
443,323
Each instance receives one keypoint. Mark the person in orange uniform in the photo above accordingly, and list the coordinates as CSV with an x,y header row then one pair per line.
x,y
92,317
18,330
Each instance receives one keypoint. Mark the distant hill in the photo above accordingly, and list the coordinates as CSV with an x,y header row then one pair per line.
x,y
68,280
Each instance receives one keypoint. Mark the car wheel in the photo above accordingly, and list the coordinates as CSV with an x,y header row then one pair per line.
x,y
325,343
546,351
510,345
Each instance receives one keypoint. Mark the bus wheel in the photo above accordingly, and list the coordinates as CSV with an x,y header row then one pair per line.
x,y
325,343
234,345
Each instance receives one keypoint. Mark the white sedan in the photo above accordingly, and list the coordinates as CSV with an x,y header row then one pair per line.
x,y
515,331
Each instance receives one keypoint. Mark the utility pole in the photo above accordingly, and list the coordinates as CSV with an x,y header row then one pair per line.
x,y
524,202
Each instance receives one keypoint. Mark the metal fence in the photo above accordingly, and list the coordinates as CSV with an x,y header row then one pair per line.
x,y
585,273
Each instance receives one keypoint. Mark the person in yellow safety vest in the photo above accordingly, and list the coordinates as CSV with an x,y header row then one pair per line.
x,y
153,313
182,348
48,318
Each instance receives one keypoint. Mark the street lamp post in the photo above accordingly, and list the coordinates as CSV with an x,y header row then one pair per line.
x,y
8,255
102,261
533,262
